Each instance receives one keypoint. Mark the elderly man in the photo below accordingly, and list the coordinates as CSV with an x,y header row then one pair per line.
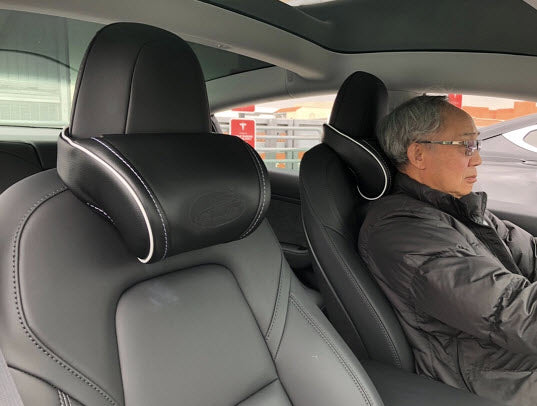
x,y
461,280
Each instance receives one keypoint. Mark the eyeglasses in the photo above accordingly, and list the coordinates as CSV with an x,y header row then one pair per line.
x,y
471,145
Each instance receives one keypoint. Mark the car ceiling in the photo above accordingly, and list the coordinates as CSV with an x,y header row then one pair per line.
x,y
438,46
359,26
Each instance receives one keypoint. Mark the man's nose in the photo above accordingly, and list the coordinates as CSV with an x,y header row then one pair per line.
x,y
475,160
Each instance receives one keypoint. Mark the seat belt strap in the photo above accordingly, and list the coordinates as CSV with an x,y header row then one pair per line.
x,y
9,395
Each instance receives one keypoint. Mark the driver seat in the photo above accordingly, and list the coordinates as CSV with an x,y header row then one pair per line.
x,y
338,179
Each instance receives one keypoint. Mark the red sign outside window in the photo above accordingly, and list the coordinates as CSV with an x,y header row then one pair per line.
x,y
245,129
455,99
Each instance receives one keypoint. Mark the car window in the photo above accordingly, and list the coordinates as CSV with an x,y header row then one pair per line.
x,y
281,131
531,138
488,111
39,60
509,149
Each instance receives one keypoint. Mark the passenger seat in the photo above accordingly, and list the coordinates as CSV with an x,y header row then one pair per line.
x,y
142,271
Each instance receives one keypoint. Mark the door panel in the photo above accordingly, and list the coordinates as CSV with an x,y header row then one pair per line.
x,y
285,217
18,160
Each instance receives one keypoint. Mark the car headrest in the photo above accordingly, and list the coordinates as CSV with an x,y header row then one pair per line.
x,y
360,103
136,79
166,192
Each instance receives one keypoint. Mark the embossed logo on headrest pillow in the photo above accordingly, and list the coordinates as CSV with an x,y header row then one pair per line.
x,y
217,208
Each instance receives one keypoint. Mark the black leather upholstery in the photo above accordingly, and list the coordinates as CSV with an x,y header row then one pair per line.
x,y
402,388
17,161
162,200
361,98
84,322
372,172
133,80
337,178
134,181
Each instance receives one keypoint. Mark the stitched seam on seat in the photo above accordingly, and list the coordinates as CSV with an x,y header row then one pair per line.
x,y
258,206
130,86
65,400
261,175
259,390
20,313
258,179
277,304
100,211
283,330
364,298
146,188
256,157
332,347
260,171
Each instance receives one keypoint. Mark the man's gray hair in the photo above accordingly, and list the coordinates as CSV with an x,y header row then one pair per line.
x,y
412,121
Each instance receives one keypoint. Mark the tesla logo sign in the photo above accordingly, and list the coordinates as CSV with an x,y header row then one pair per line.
x,y
244,129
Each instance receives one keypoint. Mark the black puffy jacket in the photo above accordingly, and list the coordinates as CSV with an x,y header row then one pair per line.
x,y
462,283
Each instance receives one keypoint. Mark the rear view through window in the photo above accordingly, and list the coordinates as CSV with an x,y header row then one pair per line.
x,y
39,60
280,131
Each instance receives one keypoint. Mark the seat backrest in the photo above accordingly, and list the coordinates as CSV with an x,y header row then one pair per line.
x,y
337,180
142,271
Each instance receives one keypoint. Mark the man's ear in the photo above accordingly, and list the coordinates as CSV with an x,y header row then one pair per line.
x,y
415,155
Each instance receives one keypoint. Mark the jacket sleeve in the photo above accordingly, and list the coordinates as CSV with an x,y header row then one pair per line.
x,y
450,282
523,245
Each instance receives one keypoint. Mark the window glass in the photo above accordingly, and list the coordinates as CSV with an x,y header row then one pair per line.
x,y
39,60
509,150
281,131
531,138
487,111
217,63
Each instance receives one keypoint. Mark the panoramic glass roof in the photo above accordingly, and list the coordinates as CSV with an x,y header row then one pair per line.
x,y
357,26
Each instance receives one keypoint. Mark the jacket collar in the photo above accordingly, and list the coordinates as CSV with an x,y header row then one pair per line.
x,y
470,207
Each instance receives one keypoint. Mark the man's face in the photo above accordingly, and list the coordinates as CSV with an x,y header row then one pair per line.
x,y
447,167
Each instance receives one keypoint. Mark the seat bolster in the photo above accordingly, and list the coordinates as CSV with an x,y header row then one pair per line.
x,y
25,346
310,341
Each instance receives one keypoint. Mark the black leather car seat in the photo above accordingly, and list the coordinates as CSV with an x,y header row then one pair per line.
x,y
17,161
337,180
141,272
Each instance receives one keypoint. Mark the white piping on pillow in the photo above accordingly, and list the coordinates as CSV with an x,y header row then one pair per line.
x,y
127,186
384,171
